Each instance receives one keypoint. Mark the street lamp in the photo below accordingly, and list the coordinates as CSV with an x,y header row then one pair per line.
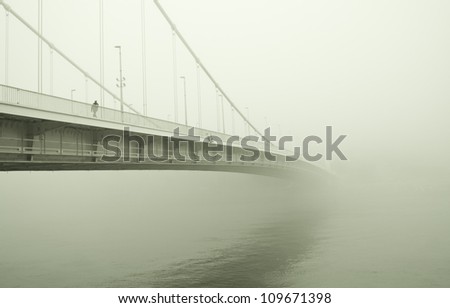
x,y
232,121
223,113
71,98
218,109
248,121
121,80
185,103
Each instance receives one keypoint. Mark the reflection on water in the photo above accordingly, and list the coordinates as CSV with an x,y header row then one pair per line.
x,y
259,259
188,229
270,228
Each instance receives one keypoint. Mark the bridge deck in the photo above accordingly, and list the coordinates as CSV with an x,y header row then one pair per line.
x,y
42,132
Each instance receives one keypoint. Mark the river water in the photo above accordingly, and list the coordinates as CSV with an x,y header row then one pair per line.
x,y
205,229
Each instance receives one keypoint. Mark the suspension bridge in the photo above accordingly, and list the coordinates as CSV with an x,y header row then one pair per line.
x,y
42,131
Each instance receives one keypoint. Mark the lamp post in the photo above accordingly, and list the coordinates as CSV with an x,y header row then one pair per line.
x,y
71,97
218,109
223,113
248,120
121,80
232,121
185,103
199,97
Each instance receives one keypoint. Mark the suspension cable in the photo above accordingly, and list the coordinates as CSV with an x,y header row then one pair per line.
x,y
39,47
144,59
102,53
46,41
193,54
6,47
175,76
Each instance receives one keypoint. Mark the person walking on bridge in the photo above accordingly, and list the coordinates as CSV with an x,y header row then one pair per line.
x,y
94,109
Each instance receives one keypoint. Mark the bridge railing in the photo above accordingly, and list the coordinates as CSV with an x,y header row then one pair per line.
x,y
55,104
30,99
79,150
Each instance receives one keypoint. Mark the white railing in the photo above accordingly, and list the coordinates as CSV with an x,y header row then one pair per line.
x,y
16,96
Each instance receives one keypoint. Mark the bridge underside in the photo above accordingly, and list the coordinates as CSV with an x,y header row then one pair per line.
x,y
89,166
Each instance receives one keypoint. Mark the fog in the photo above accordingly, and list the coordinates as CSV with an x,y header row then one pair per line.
x,y
377,71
